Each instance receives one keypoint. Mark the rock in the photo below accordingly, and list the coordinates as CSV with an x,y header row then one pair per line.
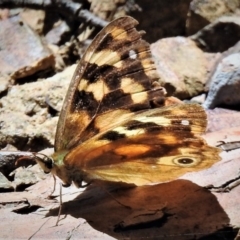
x,y
219,35
29,124
202,13
4,183
199,99
4,13
182,66
25,132
57,33
5,83
221,119
108,9
27,176
22,52
225,83
7,160
212,70
162,18
34,19
12,160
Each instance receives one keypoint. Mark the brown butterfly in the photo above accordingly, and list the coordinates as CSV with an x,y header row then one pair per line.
x,y
114,124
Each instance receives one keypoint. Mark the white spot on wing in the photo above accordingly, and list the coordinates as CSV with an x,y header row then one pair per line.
x,y
132,54
185,122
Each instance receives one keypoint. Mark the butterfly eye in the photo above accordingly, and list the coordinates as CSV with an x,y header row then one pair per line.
x,y
45,162
186,161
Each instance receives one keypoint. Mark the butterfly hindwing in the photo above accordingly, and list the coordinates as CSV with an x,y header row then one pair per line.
x,y
152,146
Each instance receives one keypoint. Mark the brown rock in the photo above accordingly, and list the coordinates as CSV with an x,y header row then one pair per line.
x,y
21,51
162,18
155,212
182,66
219,35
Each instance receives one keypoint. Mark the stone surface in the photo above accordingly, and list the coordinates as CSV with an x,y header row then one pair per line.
x,y
182,66
34,18
4,183
178,209
5,83
29,123
27,176
57,33
108,9
219,35
221,56
202,13
22,52
162,18
4,13
199,99
7,160
220,119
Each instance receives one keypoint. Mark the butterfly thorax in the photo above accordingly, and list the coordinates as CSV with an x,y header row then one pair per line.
x,y
66,173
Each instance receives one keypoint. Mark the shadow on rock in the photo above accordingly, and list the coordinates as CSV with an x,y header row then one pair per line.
x,y
178,209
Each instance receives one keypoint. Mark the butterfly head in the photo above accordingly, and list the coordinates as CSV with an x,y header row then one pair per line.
x,y
45,162
55,165
49,165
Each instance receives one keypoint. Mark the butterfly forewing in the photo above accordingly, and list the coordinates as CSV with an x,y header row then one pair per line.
x,y
116,73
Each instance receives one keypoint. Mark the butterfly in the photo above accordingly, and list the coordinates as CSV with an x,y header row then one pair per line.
x,y
115,125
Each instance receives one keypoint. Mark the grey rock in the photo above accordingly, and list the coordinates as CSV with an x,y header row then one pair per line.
x,y
4,183
28,176
225,83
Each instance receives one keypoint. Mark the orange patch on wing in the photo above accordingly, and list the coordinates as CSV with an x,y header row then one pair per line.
x,y
132,150
167,139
